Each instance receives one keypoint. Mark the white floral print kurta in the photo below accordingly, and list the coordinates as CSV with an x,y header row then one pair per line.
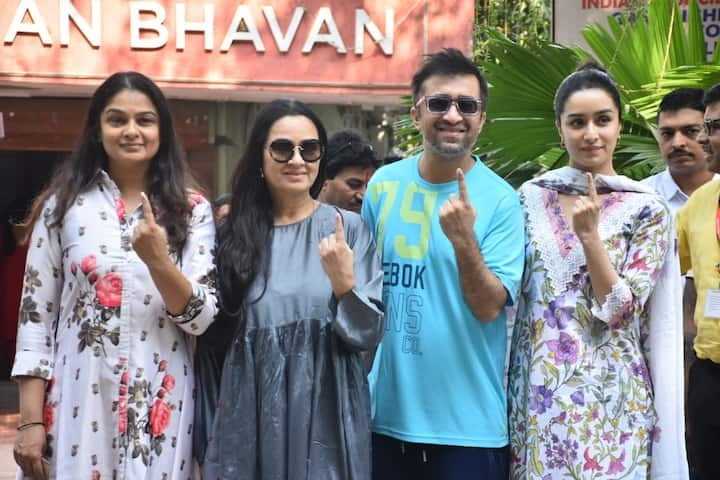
x,y
582,403
119,401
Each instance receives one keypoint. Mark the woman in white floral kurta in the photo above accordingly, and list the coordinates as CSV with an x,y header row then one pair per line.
x,y
106,310
595,379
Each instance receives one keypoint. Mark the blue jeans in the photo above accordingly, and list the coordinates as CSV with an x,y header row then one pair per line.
x,y
394,459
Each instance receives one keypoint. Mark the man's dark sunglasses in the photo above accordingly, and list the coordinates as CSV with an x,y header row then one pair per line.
x,y
283,150
440,104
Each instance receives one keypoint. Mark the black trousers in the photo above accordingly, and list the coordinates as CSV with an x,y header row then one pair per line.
x,y
703,407
394,459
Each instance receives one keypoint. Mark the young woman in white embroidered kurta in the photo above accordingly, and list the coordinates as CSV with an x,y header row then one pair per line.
x,y
595,379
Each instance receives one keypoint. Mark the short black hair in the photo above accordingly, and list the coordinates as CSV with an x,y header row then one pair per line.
x,y
589,75
681,98
349,148
448,62
712,95
224,199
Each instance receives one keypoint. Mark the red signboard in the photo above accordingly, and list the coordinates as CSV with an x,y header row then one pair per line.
x,y
332,51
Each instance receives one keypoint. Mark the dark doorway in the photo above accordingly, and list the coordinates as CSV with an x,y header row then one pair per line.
x,y
23,174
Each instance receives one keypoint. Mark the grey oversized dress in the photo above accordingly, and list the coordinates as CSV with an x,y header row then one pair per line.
x,y
294,400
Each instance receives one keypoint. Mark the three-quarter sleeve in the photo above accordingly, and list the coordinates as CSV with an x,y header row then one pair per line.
x,y
40,303
640,267
198,268
359,318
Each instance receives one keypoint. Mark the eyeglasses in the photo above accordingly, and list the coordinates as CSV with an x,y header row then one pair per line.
x,y
440,104
283,150
711,125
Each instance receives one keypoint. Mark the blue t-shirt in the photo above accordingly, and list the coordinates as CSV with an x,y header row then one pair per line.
x,y
438,374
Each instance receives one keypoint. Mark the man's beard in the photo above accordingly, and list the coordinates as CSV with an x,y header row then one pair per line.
x,y
449,151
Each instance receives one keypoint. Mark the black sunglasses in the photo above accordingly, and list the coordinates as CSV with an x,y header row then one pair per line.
x,y
711,125
283,150
440,104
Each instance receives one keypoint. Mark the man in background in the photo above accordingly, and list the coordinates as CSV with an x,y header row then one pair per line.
x,y
351,161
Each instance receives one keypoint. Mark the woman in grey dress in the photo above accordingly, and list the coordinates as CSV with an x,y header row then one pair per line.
x,y
301,289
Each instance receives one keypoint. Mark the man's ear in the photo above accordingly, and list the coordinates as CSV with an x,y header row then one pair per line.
x,y
483,117
415,115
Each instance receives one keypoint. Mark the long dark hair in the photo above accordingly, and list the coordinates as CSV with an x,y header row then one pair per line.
x,y
168,179
244,238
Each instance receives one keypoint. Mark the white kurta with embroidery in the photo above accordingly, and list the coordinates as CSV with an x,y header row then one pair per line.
x,y
120,392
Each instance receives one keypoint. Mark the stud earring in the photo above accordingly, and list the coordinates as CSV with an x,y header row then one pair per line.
x,y
562,143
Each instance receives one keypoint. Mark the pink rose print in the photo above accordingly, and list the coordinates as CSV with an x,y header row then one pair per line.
x,y
159,417
88,264
120,209
73,268
122,412
109,290
163,366
48,416
168,382
95,475
195,198
92,278
123,401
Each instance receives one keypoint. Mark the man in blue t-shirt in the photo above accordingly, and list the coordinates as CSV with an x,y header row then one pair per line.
x,y
451,238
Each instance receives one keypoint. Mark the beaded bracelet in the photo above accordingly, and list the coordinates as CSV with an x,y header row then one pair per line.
x,y
28,425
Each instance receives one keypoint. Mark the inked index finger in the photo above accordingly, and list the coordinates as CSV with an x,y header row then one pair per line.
x,y
462,186
592,193
147,209
339,228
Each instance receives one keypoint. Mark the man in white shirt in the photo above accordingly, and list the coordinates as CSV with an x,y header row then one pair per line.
x,y
680,121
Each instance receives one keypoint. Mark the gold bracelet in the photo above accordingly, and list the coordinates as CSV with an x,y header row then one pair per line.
x,y
28,425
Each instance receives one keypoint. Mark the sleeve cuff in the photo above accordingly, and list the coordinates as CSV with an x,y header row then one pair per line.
x,y
617,304
33,364
358,321
189,319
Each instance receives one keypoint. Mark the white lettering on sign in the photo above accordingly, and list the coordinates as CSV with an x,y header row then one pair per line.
x,y
363,21
93,33
324,17
148,29
283,42
182,26
155,24
38,27
249,33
